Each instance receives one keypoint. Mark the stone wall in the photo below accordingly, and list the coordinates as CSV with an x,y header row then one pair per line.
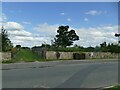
x,y
102,55
5,55
66,55
63,55
50,55
88,55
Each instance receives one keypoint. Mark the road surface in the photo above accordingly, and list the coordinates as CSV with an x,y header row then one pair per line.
x,y
63,74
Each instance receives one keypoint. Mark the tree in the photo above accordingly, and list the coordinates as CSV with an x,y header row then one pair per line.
x,y
6,43
90,49
117,35
103,47
18,46
113,48
110,47
103,44
45,46
64,37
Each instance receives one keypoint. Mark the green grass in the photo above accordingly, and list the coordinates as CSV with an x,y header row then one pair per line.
x,y
27,56
8,61
113,88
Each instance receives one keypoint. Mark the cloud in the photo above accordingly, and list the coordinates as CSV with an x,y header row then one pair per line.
x,y
20,33
45,33
94,12
88,36
69,19
30,41
62,13
85,19
16,29
46,29
13,26
95,36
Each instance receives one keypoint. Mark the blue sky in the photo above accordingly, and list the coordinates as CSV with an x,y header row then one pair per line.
x,y
50,12
78,15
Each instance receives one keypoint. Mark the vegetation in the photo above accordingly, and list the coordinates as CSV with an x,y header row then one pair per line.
x,y
26,55
18,46
103,47
6,43
110,47
117,35
62,42
64,37
113,88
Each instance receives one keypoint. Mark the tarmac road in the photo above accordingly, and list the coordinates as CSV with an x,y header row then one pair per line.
x,y
60,74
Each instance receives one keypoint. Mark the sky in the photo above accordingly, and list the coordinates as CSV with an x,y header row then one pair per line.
x,y
60,0
33,23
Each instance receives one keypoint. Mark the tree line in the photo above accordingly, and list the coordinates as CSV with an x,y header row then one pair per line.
x,y
7,45
62,40
103,47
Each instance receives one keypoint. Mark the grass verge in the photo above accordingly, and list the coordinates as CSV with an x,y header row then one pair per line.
x,y
117,87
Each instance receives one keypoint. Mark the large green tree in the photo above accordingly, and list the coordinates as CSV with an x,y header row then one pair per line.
x,y
6,43
65,37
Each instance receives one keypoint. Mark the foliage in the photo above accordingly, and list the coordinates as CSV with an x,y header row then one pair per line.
x,y
45,46
8,61
64,37
114,48
117,35
110,47
18,46
6,43
26,55
103,47
69,49
14,51
89,49
27,48
117,87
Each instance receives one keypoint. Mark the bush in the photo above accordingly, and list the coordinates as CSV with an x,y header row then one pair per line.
x,y
68,49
